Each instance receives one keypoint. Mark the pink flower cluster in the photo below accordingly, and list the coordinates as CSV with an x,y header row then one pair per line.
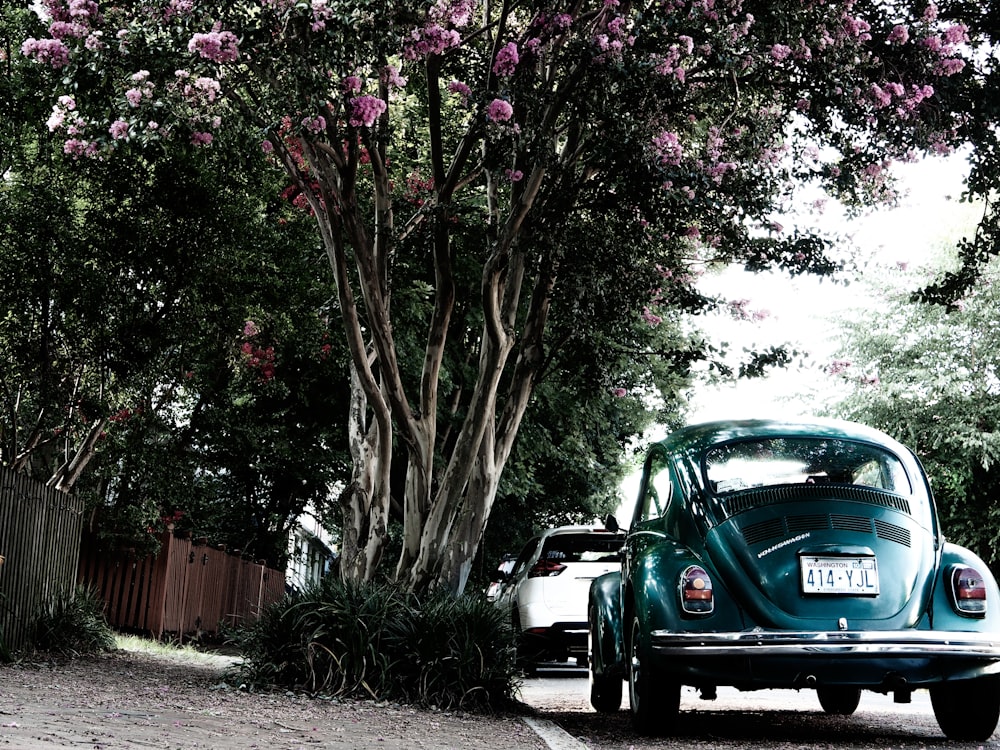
x,y
740,310
457,87
119,129
217,46
321,13
202,90
499,110
439,33
257,357
432,39
392,78
51,51
365,110
315,125
178,8
667,147
507,59
143,88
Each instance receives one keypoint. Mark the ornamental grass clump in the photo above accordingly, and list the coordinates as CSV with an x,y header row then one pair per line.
x,y
350,640
73,625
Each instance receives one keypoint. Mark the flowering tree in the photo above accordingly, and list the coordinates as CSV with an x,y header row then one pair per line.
x,y
560,154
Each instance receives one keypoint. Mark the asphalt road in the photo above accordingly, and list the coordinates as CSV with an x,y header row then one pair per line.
x,y
780,719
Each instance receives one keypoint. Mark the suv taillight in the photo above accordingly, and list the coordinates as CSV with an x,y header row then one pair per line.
x,y
545,568
695,591
968,591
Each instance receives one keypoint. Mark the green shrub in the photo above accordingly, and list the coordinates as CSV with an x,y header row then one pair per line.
x,y
374,640
73,625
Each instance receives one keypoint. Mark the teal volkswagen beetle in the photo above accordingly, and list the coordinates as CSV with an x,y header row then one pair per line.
x,y
766,554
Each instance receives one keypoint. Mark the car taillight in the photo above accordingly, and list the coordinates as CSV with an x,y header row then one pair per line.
x,y
695,591
968,591
545,568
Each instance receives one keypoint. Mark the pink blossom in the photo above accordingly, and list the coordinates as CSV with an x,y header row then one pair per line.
x,y
314,124
956,34
217,46
134,96
899,35
118,129
650,317
178,8
51,51
619,392
780,51
668,147
267,147
63,29
365,110
838,366
514,175
499,110
433,39
457,87
507,59
351,85
76,147
392,78
250,329
199,138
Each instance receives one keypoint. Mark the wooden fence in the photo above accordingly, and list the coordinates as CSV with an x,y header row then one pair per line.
x,y
39,548
187,589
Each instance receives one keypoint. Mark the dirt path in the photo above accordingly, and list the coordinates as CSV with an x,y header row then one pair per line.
x,y
136,700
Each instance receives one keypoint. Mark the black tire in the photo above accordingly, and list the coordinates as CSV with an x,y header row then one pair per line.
x,y
967,711
605,690
655,699
606,693
838,699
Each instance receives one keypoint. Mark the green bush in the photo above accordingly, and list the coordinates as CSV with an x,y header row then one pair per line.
x,y
374,640
73,625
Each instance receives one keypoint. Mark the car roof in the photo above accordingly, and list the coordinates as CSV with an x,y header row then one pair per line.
x,y
697,437
595,529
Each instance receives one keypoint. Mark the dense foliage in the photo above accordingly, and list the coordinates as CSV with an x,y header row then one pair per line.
x,y
377,641
493,182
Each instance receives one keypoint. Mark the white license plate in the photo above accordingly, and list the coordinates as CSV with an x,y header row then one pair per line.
x,y
857,576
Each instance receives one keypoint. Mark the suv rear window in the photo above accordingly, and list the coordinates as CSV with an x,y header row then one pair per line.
x,y
773,461
594,547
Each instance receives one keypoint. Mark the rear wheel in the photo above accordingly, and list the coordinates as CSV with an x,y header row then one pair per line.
x,y
655,698
837,699
605,690
969,710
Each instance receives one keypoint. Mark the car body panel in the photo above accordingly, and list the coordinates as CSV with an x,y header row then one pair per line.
x,y
820,557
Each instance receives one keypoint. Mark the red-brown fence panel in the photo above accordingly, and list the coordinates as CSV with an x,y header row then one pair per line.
x,y
185,589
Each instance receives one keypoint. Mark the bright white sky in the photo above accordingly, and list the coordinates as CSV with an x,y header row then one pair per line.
x,y
803,311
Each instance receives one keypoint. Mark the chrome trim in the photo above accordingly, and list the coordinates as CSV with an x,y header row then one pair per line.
x,y
882,643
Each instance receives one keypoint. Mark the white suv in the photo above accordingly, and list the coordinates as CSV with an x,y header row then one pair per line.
x,y
547,590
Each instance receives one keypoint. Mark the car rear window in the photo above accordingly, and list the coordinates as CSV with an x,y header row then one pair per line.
x,y
595,547
731,467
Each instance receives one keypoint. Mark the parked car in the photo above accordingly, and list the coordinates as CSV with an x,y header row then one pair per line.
x,y
546,590
499,576
769,554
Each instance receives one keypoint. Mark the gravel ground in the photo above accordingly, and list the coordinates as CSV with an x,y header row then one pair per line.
x,y
130,699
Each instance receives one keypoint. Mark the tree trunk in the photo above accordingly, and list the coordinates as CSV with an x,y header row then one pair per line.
x,y
365,501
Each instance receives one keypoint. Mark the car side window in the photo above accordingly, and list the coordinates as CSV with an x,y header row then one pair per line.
x,y
658,489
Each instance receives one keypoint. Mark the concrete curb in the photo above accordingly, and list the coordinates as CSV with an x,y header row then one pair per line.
x,y
554,735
